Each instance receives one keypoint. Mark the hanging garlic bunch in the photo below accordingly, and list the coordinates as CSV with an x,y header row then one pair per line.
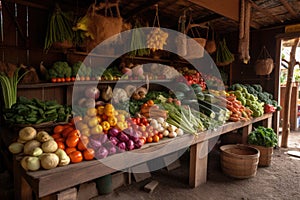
x,y
157,39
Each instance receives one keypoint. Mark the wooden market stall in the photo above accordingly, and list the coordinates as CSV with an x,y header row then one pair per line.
x,y
24,29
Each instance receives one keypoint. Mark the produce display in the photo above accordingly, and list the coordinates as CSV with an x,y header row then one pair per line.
x,y
35,111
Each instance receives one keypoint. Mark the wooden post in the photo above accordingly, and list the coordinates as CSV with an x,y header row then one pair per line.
x,y
288,92
245,132
198,164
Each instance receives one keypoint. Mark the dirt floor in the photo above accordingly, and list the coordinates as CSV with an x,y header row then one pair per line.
x,y
279,181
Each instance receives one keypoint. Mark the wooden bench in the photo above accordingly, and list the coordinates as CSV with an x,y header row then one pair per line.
x,y
47,182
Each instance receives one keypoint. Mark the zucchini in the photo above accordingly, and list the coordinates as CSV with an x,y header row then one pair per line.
x,y
207,111
211,106
210,98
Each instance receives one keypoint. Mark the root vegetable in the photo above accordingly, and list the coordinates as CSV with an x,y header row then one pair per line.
x,y
172,134
30,146
64,159
31,163
43,136
27,133
16,147
49,146
49,160
37,151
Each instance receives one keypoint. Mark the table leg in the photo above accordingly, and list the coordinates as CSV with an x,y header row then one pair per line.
x,y
267,122
21,187
245,132
198,164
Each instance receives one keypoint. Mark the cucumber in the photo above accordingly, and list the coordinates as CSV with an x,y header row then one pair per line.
x,y
210,98
211,106
207,111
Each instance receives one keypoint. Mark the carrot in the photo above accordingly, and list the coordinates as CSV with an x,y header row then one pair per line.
x,y
231,98
234,119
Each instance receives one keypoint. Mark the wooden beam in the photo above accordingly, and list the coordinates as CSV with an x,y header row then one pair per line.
x,y
229,8
140,9
265,12
289,8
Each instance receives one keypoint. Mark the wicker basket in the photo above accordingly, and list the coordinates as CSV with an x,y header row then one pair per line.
x,y
264,64
239,161
265,157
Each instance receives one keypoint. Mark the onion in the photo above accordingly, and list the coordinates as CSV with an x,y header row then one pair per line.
x,y
121,145
123,137
138,144
112,150
129,145
94,143
103,138
113,132
114,140
101,153
92,92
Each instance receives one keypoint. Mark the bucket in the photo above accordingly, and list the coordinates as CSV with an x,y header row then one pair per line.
x,y
239,161
265,157
104,184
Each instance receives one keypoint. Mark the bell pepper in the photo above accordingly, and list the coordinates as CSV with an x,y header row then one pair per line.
x,y
105,125
268,108
100,110
112,120
109,110
121,125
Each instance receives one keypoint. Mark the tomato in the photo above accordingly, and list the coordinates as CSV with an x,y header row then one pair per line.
x,y
58,129
68,79
143,140
160,135
73,78
74,133
58,80
53,80
149,139
150,102
63,80
60,139
56,136
60,145
76,156
81,146
89,154
69,150
66,131
72,141
144,120
155,138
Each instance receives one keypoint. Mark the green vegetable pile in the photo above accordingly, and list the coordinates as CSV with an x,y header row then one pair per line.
x,y
60,69
81,70
35,111
263,136
247,99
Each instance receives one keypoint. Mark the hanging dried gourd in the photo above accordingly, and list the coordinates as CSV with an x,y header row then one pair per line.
x,y
244,35
157,38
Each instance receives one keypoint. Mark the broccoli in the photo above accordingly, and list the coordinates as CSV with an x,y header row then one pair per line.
x,y
68,71
257,87
78,68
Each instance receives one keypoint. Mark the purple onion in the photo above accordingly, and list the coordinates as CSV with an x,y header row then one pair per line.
x,y
102,152
134,139
122,145
138,144
113,132
103,138
123,137
114,140
129,145
128,131
94,143
112,150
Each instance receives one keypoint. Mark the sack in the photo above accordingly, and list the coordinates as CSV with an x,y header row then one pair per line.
x,y
191,45
264,65
101,26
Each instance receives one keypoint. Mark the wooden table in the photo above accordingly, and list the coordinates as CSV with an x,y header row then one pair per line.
x,y
46,182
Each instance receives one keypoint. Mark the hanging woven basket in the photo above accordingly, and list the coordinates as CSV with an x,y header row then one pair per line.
x,y
264,65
